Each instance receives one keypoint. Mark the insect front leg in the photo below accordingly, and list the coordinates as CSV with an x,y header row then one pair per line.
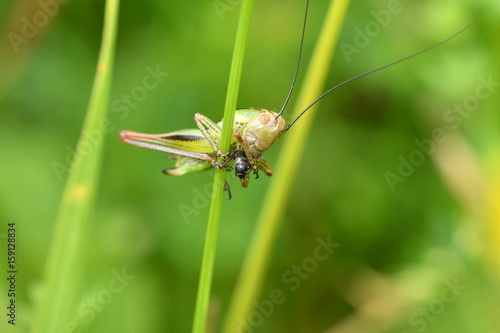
x,y
264,166
228,158
227,188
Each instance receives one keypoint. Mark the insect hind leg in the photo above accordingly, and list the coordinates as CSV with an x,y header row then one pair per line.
x,y
264,166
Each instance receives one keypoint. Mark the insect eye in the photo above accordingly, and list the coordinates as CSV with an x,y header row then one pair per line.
x,y
264,119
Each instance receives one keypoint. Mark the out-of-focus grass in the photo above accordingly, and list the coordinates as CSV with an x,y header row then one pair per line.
x,y
400,245
273,209
66,260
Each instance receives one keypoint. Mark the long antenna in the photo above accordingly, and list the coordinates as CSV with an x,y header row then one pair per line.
x,y
376,70
298,62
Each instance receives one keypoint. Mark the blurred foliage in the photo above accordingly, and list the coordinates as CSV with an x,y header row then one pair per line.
x,y
397,247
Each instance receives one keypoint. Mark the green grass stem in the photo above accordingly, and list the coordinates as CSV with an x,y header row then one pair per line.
x,y
65,262
272,212
203,297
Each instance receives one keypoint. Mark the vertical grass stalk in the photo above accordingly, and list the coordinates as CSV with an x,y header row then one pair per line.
x,y
65,262
256,261
202,299
492,163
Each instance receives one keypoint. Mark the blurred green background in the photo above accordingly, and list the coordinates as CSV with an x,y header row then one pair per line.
x,y
403,245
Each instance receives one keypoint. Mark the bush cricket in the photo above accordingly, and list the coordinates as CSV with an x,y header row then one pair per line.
x,y
254,131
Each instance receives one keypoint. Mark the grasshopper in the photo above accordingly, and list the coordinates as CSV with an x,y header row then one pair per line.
x,y
254,131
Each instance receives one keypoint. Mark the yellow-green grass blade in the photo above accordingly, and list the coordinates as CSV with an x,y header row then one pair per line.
x,y
254,267
65,263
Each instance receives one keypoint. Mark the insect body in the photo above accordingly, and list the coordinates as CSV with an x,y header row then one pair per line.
x,y
254,131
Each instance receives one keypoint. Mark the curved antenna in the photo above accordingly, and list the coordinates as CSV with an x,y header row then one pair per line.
x,y
376,70
298,63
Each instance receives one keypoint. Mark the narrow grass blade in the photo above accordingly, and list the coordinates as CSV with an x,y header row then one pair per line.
x,y
254,267
63,271
200,316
